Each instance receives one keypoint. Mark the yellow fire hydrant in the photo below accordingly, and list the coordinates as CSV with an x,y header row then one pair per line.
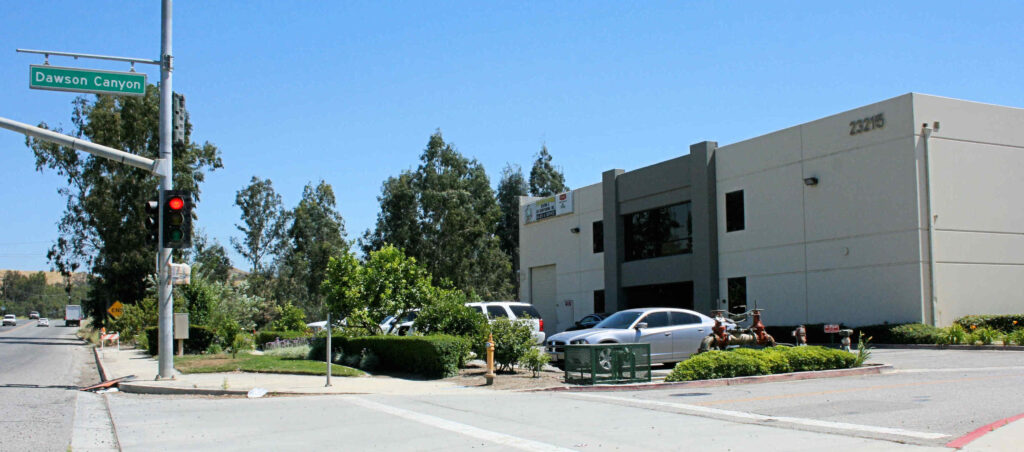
x,y
490,360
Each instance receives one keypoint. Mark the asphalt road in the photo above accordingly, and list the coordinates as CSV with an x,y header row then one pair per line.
x,y
934,397
40,371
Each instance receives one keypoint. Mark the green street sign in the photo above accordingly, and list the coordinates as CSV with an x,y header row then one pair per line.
x,y
86,80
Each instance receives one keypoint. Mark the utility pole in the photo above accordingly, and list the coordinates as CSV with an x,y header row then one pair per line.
x,y
165,291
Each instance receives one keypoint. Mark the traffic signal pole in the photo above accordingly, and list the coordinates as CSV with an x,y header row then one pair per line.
x,y
165,291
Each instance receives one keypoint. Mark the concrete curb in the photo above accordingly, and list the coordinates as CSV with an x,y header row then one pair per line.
x,y
1009,348
137,388
99,364
868,369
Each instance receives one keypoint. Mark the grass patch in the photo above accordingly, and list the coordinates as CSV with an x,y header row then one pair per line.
x,y
197,364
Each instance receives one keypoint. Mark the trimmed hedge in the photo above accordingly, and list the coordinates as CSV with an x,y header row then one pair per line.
x,y
436,356
915,333
1002,323
199,339
745,362
262,337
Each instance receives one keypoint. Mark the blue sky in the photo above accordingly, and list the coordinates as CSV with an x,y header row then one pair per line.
x,y
349,92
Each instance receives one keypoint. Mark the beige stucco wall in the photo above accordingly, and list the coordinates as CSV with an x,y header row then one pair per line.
x,y
579,271
977,162
845,250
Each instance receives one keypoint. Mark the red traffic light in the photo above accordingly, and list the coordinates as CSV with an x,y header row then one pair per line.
x,y
175,203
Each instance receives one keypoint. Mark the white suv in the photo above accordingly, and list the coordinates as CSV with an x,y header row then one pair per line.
x,y
513,310
10,319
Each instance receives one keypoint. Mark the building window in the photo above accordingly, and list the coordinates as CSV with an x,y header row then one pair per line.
x,y
599,301
659,232
734,220
598,236
737,294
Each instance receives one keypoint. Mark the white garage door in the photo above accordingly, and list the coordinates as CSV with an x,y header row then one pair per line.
x,y
542,295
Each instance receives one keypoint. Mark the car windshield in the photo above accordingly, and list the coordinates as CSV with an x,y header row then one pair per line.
x,y
619,320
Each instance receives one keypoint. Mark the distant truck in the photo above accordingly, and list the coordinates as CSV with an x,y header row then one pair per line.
x,y
73,315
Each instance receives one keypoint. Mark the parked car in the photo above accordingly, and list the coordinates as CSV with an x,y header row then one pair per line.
x,y
400,327
43,322
10,320
588,321
514,310
674,334
33,315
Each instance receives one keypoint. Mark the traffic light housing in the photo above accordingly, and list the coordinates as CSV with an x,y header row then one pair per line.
x,y
152,221
177,209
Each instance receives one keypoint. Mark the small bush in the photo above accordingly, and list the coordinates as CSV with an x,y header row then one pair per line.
x,y
436,356
985,335
1004,323
863,350
1016,337
955,334
368,360
915,333
745,362
199,340
534,359
263,337
512,339
294,352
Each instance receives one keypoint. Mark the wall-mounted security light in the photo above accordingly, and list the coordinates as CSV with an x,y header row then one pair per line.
x,y
810,181
575,230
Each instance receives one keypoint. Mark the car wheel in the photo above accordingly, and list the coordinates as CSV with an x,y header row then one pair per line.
x,y
604,360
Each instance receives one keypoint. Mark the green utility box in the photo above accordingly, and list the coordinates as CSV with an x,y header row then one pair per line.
x,y
590,364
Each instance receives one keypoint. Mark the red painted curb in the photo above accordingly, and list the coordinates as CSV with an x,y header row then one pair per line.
x,y
792,376
963,440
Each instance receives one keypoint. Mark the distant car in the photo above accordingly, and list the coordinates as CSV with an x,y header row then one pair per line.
x,y
588,321
33,315
400,327
10,320
43,322
514,310
674,334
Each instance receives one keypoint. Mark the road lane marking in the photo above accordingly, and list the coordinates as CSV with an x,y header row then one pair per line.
x,y
452,426
844,390
773,420
955,369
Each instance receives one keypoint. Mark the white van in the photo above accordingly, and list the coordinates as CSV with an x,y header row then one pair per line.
x,y
513,310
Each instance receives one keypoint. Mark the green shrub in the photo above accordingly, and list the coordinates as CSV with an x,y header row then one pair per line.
x,y
512,339
368,360
955,334
915,333
295,352
451,316
863,350
199,340
292,319
435,356
743,362
263,337
134,320
534,359
1016,337
1005,323
985,335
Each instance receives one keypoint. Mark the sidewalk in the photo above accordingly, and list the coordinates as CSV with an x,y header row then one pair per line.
x,y
116,364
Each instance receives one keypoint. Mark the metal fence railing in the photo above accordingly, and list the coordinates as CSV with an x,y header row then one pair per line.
x,y
607,363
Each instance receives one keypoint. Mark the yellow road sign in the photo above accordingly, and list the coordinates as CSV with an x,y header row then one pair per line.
x,y
116,309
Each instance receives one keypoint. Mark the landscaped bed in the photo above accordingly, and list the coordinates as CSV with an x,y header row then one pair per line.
x,y
744,362
245,362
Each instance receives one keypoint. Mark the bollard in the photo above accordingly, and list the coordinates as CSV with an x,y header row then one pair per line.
x,y
490,360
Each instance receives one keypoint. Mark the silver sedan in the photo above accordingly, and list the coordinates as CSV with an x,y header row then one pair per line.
x,y
674,334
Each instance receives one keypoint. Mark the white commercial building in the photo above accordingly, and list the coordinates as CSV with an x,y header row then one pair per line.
x,y
839,220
